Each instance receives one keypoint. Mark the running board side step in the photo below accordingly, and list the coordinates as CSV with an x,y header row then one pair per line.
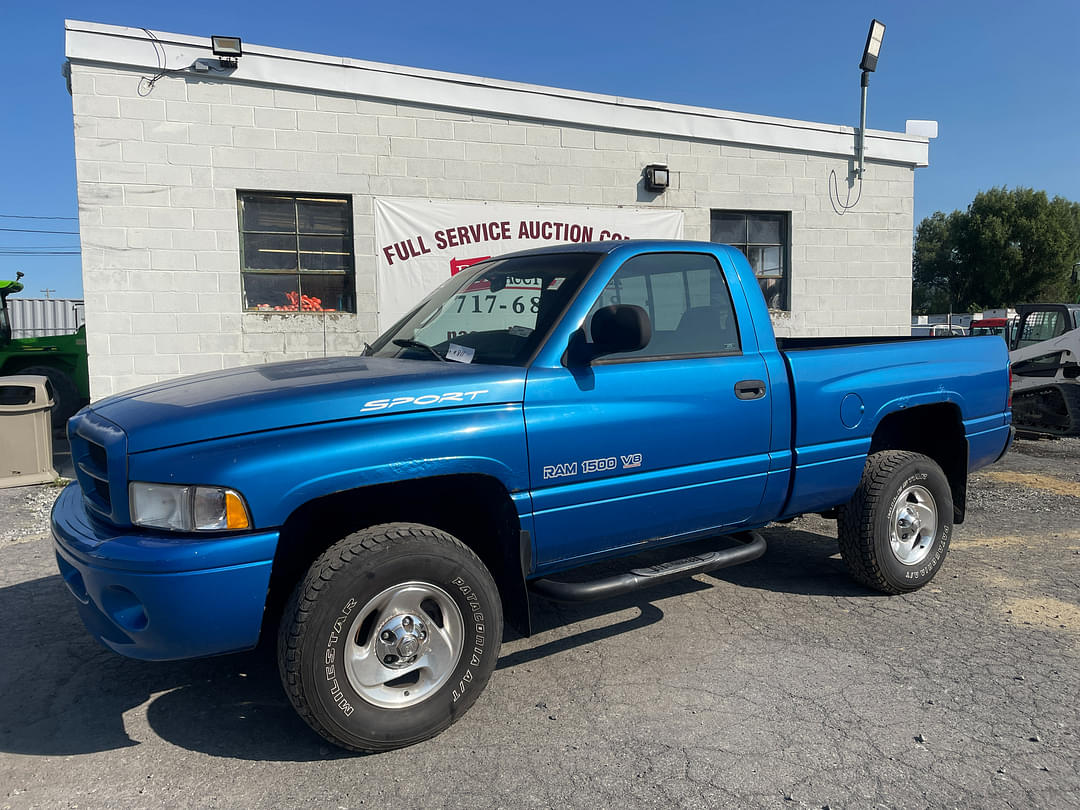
x,y
753,546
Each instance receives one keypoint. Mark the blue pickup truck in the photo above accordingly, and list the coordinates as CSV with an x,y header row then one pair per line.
x,y
538,412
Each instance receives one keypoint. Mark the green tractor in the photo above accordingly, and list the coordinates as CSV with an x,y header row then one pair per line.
x,y
62,359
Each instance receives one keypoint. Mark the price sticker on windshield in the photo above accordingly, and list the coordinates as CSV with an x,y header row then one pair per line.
x,y
460,354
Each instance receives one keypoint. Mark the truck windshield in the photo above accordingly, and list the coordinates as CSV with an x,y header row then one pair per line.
x,y
5,324
496,312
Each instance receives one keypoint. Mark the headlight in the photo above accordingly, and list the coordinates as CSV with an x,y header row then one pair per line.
x,y
187,508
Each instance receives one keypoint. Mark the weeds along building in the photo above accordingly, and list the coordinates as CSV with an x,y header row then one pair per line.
x,y
281,205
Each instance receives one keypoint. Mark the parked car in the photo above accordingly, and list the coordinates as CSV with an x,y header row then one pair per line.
x,y
938,330
1002,327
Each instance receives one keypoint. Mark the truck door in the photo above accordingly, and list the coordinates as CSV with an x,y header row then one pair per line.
x,y
667,441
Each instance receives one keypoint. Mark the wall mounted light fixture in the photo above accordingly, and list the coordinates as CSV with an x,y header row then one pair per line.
x,y
657,177
227,49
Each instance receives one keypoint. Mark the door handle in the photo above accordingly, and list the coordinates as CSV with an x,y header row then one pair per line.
x,y
750,389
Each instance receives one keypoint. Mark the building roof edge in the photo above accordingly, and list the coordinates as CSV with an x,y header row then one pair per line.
x,y
155,51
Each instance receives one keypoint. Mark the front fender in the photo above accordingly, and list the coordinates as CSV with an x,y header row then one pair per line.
x,y
278,471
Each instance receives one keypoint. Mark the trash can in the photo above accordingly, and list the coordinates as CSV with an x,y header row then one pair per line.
x,y
25,431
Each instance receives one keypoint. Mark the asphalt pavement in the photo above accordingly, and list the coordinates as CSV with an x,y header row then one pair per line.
x,y
779,683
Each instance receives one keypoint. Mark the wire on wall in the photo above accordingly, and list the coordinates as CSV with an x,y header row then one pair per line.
x,y
841,207
146,83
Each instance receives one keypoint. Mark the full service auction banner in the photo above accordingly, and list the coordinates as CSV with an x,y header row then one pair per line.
x,y
422,243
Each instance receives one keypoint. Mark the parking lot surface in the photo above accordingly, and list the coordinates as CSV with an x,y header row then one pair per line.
x,y
779,683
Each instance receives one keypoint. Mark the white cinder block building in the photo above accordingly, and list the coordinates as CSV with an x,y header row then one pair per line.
x,y
285,206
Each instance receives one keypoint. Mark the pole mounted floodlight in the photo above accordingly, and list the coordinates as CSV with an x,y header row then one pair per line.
x,y
873,46
868,66
227,49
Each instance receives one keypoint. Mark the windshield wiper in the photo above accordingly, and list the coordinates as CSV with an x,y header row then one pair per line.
x,y
409,343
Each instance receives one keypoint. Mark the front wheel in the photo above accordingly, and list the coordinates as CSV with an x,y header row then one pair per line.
x,y
895,531
390,637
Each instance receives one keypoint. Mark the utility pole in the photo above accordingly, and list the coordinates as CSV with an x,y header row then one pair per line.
x,y
48,290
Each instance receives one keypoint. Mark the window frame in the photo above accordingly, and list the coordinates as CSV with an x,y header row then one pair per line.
x,y
297,274
784,245
604,360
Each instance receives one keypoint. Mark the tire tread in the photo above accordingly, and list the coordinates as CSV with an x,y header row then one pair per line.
x,y
295,624
855,519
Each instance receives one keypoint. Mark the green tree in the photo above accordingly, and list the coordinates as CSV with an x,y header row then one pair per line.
x,y
1009,246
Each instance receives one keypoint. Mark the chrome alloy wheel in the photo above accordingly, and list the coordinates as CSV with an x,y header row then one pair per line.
x,y
404,645
913,525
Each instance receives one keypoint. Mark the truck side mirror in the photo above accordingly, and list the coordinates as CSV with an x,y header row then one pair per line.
x,y
616,328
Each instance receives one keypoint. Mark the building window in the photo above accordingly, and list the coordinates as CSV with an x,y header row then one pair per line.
x,y
763,239
296,252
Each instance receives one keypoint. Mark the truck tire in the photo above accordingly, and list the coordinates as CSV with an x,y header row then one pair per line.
x,y
65,394
390,637
895,531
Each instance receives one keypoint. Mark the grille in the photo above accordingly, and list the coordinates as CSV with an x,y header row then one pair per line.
x,y
98,449
97,457
95,476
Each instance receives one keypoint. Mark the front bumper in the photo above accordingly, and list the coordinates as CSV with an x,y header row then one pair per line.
x,y
158,597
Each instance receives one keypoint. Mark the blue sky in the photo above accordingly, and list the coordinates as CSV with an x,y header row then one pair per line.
x,y
1002,78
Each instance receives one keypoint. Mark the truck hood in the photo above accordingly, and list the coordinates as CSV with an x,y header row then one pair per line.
x,y
280,395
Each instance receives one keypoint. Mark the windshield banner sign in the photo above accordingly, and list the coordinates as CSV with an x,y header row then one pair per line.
x,y
421,243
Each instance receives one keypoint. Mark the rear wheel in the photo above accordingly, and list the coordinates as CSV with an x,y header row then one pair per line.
x,y
895,531
390,637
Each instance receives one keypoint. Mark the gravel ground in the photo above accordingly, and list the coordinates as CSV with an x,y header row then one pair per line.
x,y
775,684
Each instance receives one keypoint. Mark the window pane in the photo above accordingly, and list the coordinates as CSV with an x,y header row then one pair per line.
x,y
773,290
325,252
771,262
264,212
271,292
322,215
669,300
764,228
729,229
753,255
698,282
327,293
264,251
630,290
708,327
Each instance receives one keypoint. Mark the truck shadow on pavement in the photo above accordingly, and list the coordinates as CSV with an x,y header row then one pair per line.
x,y
797,561
63,694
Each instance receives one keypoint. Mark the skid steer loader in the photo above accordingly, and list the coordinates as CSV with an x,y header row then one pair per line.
x,y
1045,365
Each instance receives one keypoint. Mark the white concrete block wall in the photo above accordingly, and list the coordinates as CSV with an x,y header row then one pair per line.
x,y
158,172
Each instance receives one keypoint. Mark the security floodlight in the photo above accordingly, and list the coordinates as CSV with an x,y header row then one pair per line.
x,y
873,45
227,49
657,177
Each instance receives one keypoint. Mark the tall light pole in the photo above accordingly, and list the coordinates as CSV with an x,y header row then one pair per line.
x,y
868,65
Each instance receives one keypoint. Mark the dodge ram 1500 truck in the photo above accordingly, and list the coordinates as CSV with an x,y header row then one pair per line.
x,y
538,412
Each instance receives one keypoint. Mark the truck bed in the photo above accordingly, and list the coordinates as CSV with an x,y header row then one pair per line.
x,y
842,388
